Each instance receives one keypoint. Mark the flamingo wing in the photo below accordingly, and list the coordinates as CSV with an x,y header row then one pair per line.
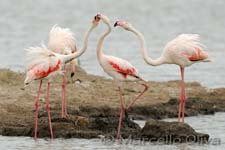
x,y
41,63
122,66
197,55
61,40
189,46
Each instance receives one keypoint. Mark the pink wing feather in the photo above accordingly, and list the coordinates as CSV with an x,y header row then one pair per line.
x,y
122,66
41,63
189,46
61,40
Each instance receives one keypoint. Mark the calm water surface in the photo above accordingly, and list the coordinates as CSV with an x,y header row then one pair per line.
x,y
26,23
211,124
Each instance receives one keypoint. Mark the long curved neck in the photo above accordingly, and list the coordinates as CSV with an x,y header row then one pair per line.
x,y
101,39
68,58
145,55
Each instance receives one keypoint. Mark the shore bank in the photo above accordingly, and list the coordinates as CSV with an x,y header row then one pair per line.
x,y
93,105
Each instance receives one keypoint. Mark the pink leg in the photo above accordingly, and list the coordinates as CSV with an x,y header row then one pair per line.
x,y
65,104
182,97
180,103
133,101
179,109
64,93
36,116
183,93
48,110
121,116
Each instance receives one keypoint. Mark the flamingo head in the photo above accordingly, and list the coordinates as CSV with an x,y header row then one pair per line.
x,y
102,17
95,21
123,24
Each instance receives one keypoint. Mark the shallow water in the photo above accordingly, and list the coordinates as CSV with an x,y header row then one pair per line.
x,y
210,124
26,23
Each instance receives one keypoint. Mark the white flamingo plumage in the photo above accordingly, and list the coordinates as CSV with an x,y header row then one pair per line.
x,y
62,41
119,69
44,63
184,50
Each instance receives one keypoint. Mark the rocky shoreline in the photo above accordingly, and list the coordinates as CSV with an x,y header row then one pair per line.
x,y
93,107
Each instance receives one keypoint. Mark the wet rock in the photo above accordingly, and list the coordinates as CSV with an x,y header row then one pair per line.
x,y
108,126
82,127
201,106
71,127
74,126
105,111
15,131
171,132
193,107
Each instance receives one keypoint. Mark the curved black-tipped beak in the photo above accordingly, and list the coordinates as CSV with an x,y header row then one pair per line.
x,y
72,74
115,24
97,17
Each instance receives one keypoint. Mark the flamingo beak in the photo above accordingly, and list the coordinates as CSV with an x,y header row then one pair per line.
x,y
115,24
72,74
72,65
97,17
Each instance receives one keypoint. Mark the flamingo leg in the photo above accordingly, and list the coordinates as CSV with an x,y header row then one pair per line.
x,y
136,98
65,103
183,94
48,110
64,112
36,115
182,97
179,109
121,116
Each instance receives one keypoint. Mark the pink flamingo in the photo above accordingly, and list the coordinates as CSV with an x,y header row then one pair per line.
x,y
44,63
62,41
184,50
119,69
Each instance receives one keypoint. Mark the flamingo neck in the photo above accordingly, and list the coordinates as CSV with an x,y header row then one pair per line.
x,y
144,51
68,58
101,39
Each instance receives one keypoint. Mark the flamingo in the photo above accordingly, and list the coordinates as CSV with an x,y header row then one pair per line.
x,y
43,64
119,69
62,41
184,50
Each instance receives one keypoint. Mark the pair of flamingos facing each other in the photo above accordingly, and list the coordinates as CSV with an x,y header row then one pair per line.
x,y
43,62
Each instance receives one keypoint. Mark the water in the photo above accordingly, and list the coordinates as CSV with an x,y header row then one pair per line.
x,y
211,124
26,23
